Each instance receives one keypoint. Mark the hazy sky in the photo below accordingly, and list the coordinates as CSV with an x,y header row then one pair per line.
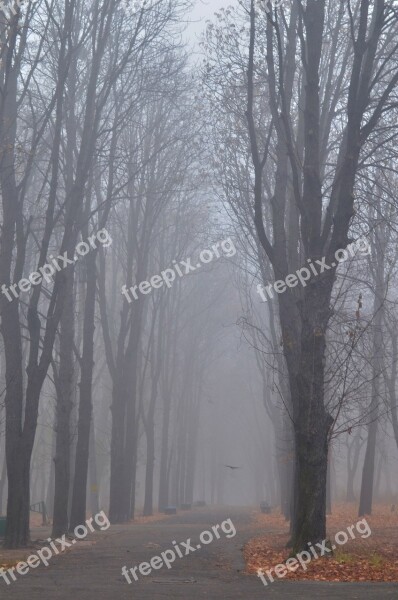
x,y
204,9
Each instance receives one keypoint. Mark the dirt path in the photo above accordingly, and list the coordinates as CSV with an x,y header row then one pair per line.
x,y
92,571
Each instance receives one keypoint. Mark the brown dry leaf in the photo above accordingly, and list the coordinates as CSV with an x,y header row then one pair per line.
x,y
371,559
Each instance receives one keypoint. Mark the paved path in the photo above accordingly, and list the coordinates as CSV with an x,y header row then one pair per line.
x,y
92,571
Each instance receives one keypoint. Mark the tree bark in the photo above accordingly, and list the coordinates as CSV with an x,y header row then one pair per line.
x,y
79,498
367,486
64,387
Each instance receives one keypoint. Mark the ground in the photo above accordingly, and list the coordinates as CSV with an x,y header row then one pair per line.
x,y
92,570
368,557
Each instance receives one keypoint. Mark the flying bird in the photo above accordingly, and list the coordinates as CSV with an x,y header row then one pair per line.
x,y
232,468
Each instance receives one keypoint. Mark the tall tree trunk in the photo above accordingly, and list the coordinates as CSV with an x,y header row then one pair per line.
x,y
164,454
352,466
64,387
150,465
79,498
118,409
93,474
312,422
132,421
3,478
367,486
191,461
329,485
51,476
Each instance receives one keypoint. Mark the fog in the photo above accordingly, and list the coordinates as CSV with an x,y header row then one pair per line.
x,y
198,261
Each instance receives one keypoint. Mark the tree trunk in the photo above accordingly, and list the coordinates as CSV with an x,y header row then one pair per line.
x,y
312,422
366,499
51,477
352,466
3,479
118,409
164,455
18,504
192,443
79,498
132,424
150,465
367,487
64,386
94,488
329,485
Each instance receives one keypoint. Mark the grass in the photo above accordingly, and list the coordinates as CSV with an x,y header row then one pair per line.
x,y
344,558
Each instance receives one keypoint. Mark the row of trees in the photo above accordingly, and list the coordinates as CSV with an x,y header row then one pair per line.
x,y
104,126
97,134
304,99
